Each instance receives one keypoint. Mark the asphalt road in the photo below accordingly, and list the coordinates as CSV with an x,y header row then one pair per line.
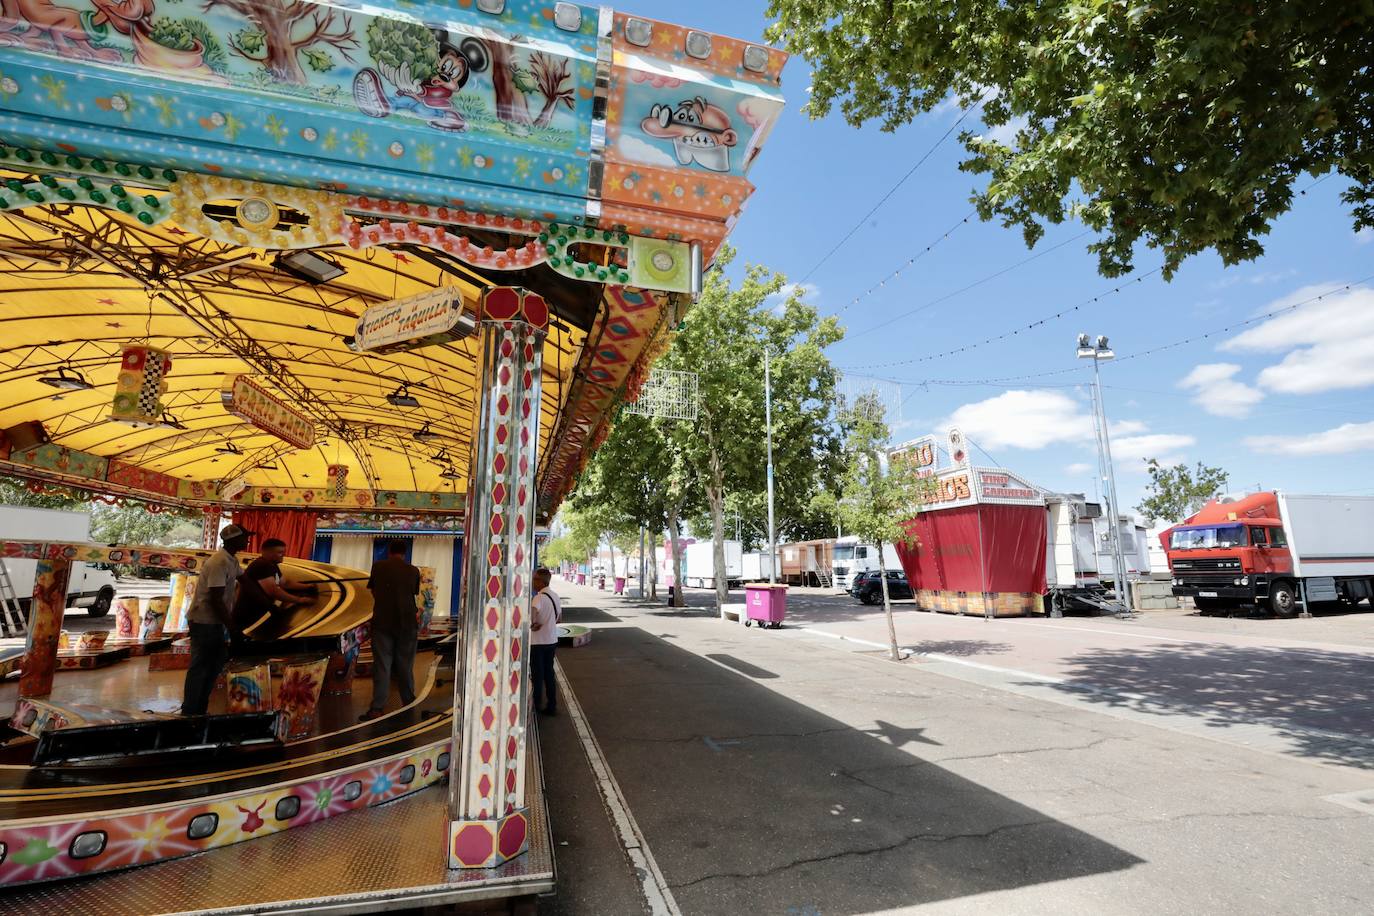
x,y
1014,766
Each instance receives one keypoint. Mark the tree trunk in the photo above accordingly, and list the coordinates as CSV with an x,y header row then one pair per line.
x,y
675,533
546,113
510,103
887,605
715,495
611,544
282,61
653,569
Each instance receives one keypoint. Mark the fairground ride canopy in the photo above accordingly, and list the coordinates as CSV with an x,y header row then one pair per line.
x,y
198,202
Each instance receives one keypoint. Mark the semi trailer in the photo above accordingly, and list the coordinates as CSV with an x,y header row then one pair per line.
x,y
1274,550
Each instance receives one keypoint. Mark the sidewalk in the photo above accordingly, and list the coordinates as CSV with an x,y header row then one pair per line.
x,y
772,774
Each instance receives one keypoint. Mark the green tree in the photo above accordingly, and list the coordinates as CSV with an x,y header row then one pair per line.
x,y
1180,124
877,497
723,339
1174,493
14,492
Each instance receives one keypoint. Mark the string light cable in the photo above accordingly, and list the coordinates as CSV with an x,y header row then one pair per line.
x,y
974,285
1248,321
1140,278
893,190
909,262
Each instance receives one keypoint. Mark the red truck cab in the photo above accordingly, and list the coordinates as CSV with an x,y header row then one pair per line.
x,y
1231,554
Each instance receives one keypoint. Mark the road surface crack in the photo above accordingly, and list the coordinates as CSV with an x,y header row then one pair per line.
x,y
835,856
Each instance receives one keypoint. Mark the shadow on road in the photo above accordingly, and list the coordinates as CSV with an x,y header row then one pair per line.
x,y
753,802
1323,700
964,648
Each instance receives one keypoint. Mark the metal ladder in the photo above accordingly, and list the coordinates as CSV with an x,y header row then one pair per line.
x,y
12,622
825,579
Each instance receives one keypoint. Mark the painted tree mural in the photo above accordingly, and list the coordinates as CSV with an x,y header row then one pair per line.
x,y
551,78
285,31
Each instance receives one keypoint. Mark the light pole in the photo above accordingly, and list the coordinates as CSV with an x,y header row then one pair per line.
x,y
768,426
1098,351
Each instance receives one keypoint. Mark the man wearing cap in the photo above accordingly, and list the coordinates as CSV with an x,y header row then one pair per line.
x,y
210,618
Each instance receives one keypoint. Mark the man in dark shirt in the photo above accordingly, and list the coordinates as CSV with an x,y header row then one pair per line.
x,y
395,627
261,587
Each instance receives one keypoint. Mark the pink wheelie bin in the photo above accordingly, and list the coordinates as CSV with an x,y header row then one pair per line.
x,y
765,604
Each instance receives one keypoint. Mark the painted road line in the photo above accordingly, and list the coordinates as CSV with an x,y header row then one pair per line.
x,y
653,887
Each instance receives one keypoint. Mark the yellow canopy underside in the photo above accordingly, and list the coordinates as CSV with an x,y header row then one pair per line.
x,y
78,284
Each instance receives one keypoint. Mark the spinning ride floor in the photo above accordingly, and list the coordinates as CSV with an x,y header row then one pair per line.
x,y
27,792
388,857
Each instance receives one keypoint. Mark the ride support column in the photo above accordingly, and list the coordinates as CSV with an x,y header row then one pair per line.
x,y
488,819
45,621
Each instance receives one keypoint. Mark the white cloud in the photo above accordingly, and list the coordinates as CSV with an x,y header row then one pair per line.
x,y
1131,450
1348,437
1023,419
1234,276
1078,468
1365,236
1126,427
637,150
1329,342
1216,391
1005,134
1037,419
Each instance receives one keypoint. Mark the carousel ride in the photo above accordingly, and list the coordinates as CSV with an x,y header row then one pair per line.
x,y
267,260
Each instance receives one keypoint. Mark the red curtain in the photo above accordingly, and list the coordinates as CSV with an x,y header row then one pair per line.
x,y
294,526
987,548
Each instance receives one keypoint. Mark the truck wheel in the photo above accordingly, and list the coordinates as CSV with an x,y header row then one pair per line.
x,y
101,605
1283,600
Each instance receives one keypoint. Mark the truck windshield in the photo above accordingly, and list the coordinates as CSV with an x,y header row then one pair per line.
x,y
1212,536
844,551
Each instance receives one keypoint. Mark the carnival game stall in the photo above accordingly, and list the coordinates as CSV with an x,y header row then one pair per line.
x,y
269,260
980,543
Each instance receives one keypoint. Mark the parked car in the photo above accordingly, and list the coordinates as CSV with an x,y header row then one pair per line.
x,y
868,586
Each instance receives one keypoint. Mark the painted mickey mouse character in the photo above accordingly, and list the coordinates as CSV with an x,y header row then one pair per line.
x,y
434,91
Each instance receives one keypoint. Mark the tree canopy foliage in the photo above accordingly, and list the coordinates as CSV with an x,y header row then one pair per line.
x,y
1182,125
1174,493
723,339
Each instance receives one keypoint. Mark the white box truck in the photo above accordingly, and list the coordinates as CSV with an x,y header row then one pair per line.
x,y
699,568
90,586
852,557
756,567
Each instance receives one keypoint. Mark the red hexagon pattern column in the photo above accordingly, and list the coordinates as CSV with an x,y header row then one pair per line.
x,y
487,812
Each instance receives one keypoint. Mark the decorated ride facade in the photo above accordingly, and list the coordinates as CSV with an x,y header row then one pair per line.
x,y
272,259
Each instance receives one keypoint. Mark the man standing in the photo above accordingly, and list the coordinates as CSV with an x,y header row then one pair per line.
x,y
262,587
395,627
210,618
545,612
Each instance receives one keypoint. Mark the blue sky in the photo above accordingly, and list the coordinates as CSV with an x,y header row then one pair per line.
x,y
1289,402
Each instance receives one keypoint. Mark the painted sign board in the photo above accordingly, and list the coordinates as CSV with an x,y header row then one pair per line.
x,y
249,401
967,486
426,319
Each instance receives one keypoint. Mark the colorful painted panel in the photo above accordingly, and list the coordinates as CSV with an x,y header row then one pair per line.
x,y
249,687
138,478
299,696
49,850
51,457
141,384
392,101
249,401
440,103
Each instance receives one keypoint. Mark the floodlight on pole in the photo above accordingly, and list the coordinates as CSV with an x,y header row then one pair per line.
x,y
1099,351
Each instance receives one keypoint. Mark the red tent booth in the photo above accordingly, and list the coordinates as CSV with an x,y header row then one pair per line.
x,y
980,546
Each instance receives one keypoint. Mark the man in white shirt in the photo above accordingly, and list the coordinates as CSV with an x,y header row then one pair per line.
x,y
545,611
